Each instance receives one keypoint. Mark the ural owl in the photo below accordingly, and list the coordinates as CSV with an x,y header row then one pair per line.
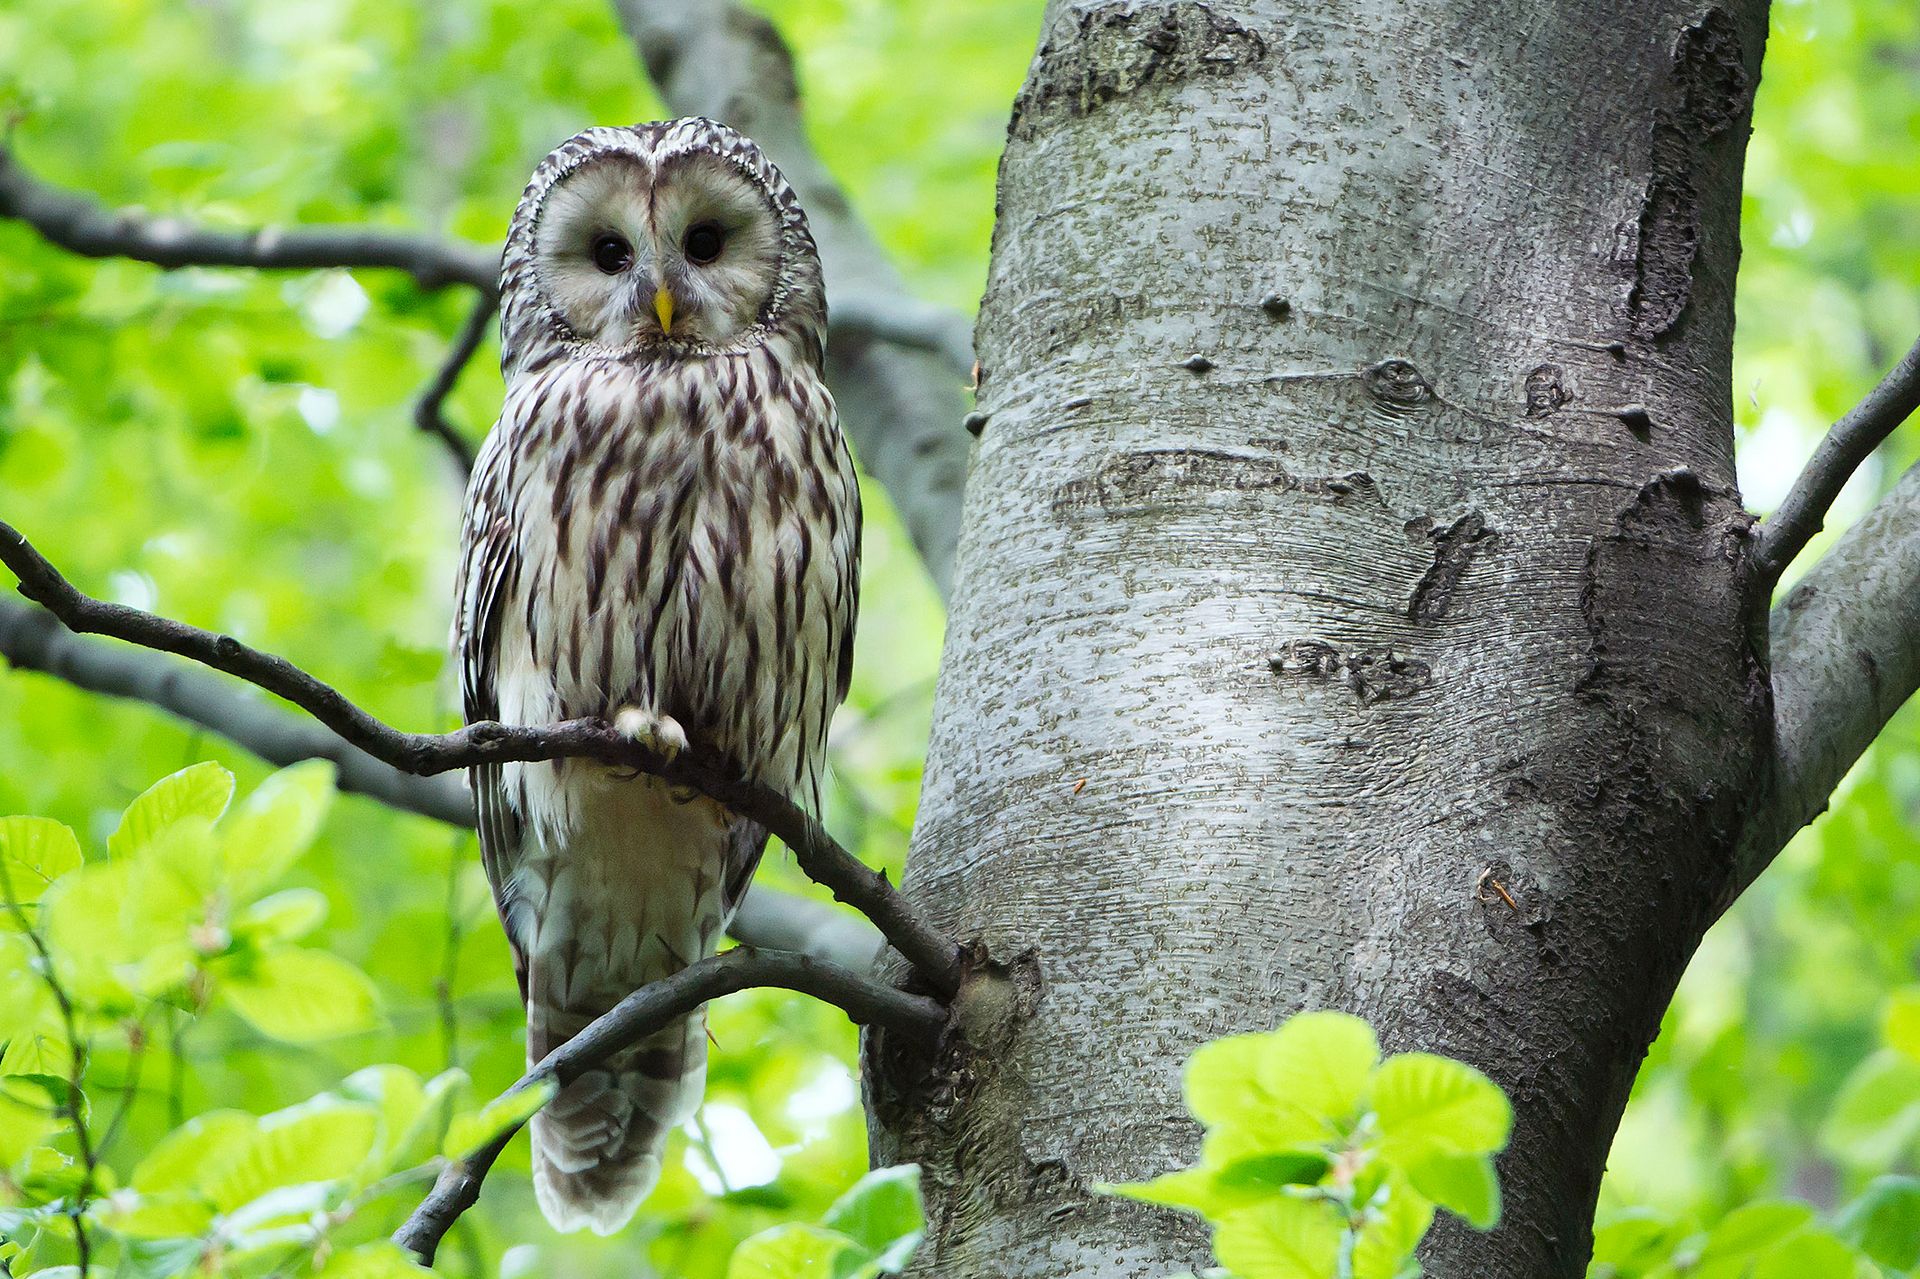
x,y
663,530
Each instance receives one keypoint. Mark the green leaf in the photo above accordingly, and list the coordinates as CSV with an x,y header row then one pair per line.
x,y
1283,1088
320,1140
181,1157
302,996
276,824
284,916
1811,1254
1266,1174
160,1216
1397,1219
1190,1189
1876,1117
790,1252
1633,1241
1432,1105
424,1136
199,790
470,1131
1900,1024
372,1261
1748,1232
1884,1222
1320,1062
33,853
23,1125
880,1209
1463,1184
399,1097
1285,1238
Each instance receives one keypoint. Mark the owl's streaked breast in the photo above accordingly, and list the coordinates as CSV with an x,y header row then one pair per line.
x,y
686,543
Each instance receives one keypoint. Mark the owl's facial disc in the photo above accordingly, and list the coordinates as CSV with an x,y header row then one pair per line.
x,y
716,247
633,255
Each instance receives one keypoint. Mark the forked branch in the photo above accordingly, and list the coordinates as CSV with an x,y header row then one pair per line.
x,y
429,412
649,1009
1846,657
1853,438
425,754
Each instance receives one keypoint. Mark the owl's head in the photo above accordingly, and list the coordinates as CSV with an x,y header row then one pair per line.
x,y
678,237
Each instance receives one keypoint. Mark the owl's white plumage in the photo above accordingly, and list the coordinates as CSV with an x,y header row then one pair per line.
x,y
662,531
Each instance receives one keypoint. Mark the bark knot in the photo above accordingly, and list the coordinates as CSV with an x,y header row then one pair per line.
x,y
1108,51
1453,550
1373,675
1711,91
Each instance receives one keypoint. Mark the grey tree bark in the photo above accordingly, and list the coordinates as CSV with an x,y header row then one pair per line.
x,y
1356,516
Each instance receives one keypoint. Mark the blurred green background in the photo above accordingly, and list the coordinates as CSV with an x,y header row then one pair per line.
x,y
237,451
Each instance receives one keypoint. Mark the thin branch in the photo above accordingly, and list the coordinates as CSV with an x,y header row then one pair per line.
x,y
34,639
649,1009
486,742
899,369
428,412
82,225
72,1105
1846,656
31,638
1853,438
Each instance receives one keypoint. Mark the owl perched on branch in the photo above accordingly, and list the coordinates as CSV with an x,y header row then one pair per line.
x,y
663,530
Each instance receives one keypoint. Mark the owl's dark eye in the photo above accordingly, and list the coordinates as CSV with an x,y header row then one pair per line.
x,y
611,253
704,242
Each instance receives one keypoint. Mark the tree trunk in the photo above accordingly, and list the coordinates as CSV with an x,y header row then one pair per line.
x,y
1351,607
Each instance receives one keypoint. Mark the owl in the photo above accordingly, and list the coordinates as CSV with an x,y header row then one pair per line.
x,y
662,531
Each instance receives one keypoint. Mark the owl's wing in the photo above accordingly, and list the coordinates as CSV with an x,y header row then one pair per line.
x,y
486,562
746,840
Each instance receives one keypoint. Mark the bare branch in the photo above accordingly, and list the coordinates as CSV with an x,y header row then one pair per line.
x,y
81,225
1846,656
427,412
649,1009
1853,438
818,854
33,639
899,369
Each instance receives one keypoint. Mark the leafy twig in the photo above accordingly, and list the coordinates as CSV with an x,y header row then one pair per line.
x,y
71,1103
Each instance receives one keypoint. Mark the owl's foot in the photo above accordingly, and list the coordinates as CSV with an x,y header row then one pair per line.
x,y
659,733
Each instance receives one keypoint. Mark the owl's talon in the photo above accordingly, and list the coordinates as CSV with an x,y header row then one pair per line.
x,y
659,733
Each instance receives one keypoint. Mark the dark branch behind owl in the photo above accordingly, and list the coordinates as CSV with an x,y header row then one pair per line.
x,y
425,754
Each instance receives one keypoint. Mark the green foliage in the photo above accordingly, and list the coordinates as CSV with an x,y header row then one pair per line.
x,y
178,924
236,450
870,1231
1322,1160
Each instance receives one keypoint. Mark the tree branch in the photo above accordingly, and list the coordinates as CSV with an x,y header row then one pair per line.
x,y
82,225
647,1010
818,854
1853,438
427,411
33,639
899,369
1846,656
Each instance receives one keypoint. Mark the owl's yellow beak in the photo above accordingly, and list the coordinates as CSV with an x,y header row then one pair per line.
x,y
663,307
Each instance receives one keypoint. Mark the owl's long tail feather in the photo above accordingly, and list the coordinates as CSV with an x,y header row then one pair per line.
x,y
597,1145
